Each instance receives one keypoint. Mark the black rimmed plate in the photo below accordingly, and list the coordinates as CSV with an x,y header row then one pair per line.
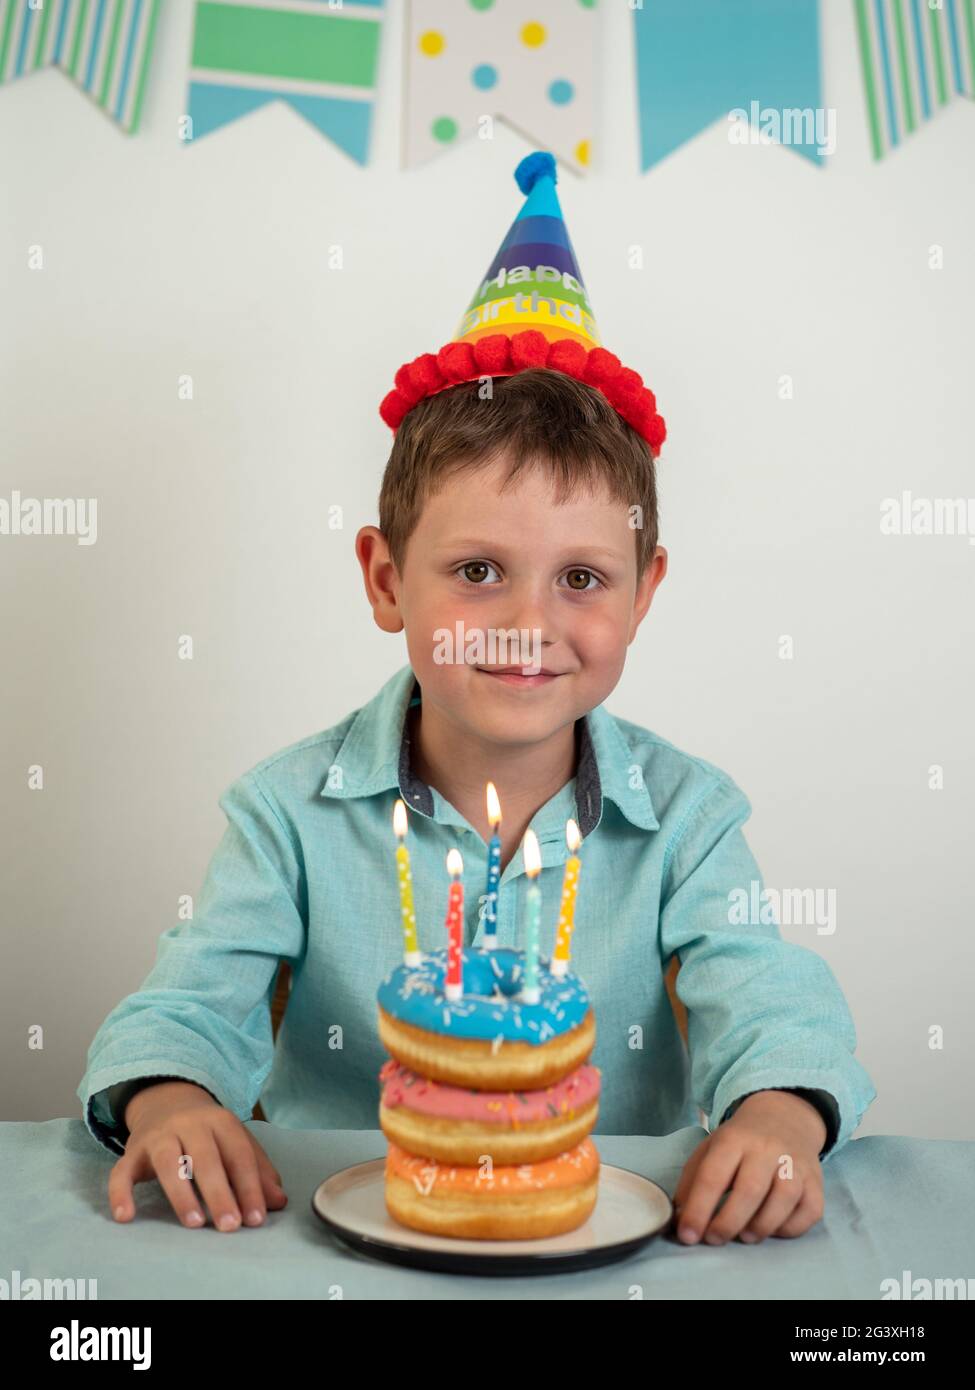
x,y
630,1210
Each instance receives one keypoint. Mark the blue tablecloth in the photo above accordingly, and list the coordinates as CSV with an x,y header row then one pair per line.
x,y
894,1206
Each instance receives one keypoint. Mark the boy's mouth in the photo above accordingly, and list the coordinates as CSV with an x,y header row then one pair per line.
x,y
514,675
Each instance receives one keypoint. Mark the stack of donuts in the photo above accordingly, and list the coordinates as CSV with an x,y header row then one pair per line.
x,y
487,1100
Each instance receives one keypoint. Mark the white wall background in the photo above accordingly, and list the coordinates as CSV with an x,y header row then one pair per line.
x,y
211,260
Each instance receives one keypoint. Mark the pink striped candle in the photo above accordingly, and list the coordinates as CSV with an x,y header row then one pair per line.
x,y
454,984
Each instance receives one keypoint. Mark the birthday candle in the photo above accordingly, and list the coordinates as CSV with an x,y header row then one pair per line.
x,y
567,910
533,918
412,955
454,985
494,868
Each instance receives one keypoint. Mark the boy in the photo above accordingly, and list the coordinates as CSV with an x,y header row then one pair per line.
x,y
507,506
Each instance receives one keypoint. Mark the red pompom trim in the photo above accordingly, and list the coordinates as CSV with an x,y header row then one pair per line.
x,y
529,349
456,361
493,354
393,409
501,354
602,366
425,374
656,433
566,355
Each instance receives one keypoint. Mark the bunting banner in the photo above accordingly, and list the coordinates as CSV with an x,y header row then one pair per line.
x,y
700,61
319,57
105,46
915,56
528,65
754,64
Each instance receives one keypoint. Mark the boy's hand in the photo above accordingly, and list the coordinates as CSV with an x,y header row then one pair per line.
x,y
747,1157
230,1170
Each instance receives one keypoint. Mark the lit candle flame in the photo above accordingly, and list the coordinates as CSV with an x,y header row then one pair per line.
x,y
572,837
455,865
493,806
399,818
533,858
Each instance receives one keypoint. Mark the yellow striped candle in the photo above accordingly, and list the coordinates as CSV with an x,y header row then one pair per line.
x,y
412,955
567,910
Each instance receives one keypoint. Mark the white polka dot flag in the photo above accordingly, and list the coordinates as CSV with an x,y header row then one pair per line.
x,y
471,61
105,47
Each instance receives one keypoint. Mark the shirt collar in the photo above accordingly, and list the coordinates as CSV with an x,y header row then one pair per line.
x,y
375,757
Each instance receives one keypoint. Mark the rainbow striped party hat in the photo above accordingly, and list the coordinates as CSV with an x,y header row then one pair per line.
x,y
530,310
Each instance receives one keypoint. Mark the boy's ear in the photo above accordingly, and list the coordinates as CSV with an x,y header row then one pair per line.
x,y
646,588
380,578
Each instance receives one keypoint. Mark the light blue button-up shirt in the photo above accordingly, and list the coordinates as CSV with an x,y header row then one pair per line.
x,y
305,872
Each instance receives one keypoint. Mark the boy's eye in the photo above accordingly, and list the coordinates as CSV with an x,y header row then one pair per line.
x,y
578,579
474,571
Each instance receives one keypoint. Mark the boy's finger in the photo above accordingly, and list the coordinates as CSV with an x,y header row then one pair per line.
x,y
806,1214
130,1169
784,1195
240,1163
687,1175
753,1188
263,1162
711,1181
212,1182
167,1158
274,1193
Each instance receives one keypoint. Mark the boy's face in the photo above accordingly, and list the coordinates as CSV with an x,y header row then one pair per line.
x,y
494,561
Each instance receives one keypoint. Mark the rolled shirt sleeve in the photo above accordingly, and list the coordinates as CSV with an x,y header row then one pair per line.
x,y
762,1013
203,1012
108,1109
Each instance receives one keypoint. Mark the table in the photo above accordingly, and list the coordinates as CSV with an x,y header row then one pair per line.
x,y
893,1204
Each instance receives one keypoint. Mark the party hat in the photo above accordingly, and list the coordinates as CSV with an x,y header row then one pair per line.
x,y
530,310
534,280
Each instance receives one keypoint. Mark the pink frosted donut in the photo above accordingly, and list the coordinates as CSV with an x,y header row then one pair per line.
x,y
453,1124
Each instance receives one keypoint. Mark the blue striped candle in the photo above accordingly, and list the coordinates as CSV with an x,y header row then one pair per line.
x,y
493,868
533,919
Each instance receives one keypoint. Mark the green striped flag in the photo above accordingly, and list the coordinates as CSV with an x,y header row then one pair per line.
x,y
104,45
320,56
915,56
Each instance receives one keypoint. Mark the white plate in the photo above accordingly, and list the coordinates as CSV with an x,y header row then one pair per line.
x,y
629,1211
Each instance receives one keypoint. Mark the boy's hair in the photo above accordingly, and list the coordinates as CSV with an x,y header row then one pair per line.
x,y
538,416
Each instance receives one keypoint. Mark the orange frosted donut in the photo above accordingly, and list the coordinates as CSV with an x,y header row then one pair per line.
x,y
457,1125
523,1202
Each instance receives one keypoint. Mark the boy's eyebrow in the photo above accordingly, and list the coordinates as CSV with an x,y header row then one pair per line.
x,y
475,543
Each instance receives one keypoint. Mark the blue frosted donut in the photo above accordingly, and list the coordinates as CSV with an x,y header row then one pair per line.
x,y
490,1008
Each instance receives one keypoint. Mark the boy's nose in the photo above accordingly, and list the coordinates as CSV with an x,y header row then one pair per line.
x,y
534,638
531,612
